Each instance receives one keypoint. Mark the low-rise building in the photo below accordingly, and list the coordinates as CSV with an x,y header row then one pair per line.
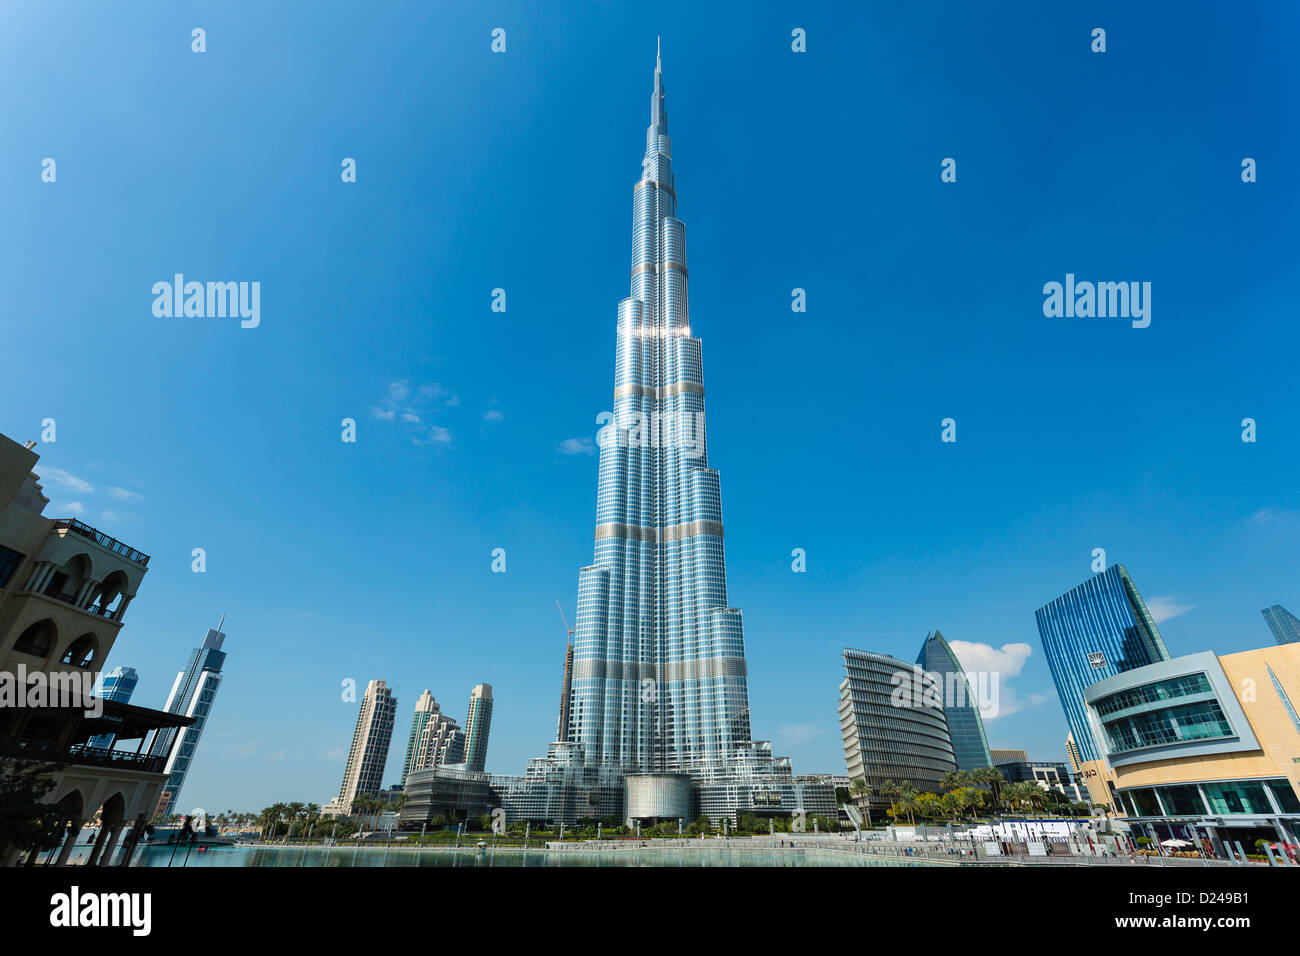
x,y
1202,748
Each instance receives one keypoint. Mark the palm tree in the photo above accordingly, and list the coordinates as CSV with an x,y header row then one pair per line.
x,y
992,776
293,810
970,798
950,804
907,795
890,790
1025,794
276,810
909,802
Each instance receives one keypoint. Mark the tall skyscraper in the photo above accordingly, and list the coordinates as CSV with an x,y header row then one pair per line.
x,y
1284,625
118,684
425,708
193,692
658,713
961,708
659,676
441,742
478,723
1097,630
892,722
370,741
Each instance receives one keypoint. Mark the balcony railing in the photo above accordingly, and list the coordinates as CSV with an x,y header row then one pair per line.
x,y
82,754
99,610
101,539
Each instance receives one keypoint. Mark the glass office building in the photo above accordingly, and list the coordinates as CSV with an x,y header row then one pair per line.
x,y
970,746
118,684
1284,625
192,694
893,725
1099,629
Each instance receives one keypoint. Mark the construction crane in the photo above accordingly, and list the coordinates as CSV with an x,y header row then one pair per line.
x,y
562,732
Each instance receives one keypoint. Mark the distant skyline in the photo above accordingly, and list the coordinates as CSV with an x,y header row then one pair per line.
x,y
476,429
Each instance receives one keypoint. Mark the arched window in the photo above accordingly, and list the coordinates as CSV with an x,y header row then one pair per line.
x,y
38,638
109,597
82,651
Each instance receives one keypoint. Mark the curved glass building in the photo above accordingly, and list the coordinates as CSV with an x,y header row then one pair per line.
x,y
893,724
961,708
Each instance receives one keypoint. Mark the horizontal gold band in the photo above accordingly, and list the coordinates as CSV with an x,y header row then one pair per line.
x,y
674,532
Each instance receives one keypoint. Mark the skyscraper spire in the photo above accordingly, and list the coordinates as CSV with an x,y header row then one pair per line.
x,y
658,114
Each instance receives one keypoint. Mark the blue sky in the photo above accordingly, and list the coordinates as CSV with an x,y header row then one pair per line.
x,y
478,171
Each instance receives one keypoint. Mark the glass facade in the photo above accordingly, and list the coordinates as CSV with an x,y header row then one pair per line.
x,y
658,682
893,724
1202,721
1217,798
1151,693
1099,629
192,694
1284,625
659,674
970,746
118,684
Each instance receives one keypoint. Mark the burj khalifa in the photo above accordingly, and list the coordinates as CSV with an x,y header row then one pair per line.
x,y
658,699
659,678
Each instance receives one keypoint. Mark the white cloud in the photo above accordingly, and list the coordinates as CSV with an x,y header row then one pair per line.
x,y
1007,660
989,671
64,480
453,401
1163,608
387,414
399,391
1280,518
576,446
411,417
67,507
438,435
493,416
122,494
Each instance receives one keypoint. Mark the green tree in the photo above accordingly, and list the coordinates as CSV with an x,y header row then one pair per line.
x,y
891,791
25,820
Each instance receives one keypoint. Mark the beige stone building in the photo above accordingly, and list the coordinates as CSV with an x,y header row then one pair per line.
x,y
1201,748
65,588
